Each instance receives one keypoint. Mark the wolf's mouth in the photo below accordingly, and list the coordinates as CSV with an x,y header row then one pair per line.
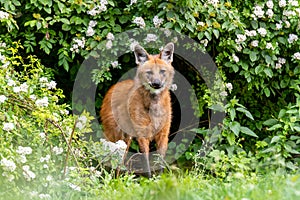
x,y
156,85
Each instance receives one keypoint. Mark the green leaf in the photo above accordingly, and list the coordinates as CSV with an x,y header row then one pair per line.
x,y
235,127
207,35
230,138
274,127
267,92
216,33
281,113
246,112
296,128
270,122
268,72
247,131
275,139
254,24
232,114
253,56
258,69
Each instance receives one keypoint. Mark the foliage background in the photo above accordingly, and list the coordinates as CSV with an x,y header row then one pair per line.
x,y
255,45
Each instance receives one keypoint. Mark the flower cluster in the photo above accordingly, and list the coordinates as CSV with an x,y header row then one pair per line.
x,y
9,126
119,147
28,174
43,102
90,31
296,56
2,98
110,37
140,22
8,165
99,8
151,37
157,21
77,44
3,15
81,122
24,150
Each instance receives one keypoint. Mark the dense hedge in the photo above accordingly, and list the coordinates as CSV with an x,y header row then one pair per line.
x,y
254,44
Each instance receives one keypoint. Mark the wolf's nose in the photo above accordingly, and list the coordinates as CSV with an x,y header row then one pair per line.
x,y
156,84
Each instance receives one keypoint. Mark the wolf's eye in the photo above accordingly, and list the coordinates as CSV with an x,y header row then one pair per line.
x,y
149,72
162,71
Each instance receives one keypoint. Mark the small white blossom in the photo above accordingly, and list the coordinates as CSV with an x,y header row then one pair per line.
x,y
293,3
282,60
262,32
90,32
133,43
269,46
99,8
235,58
45,159
292,38
151,38
239,48
3,15
157,21
11,82
23,159
213,2
240,38
2,98
133,2
140,22
282,3
49,178
121,144
287,24
251,33
44,196
114,64
24,87
32,97
16,89
270,4
254,43
75,187
57,150
92,23
279,25
8,126
9,176
109,44
42,102
224,94
51,85
278,66
8,165
2,57
167,33
24,150
258,11
43,79
296,56
204,42
110,36
270,13
79,125
29,175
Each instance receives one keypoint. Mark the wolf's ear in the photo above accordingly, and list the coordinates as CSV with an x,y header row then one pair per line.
x,y
141,55
167,53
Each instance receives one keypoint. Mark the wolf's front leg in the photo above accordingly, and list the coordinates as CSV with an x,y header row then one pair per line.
x,y
144,148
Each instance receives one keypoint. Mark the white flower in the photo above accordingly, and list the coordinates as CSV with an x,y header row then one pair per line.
x,y
269,46
254,43
110,36
282,3
8,126
262,32
133,43
278,66
151,38
279,25
287,24
32,97
235,58
2,58
251,33
282,60
293,3
140,22
296,56
92,23
43,79
16,89
42,102
23,159
5,65
270,4
99,8
3,15
224,94
292,38
2,98
213,2
11,82
75,187
90,32
45,159
270,13
258,11
167,32
114,64
24,150
24,87
44,196
121,144
157,21
8,165
204,42
51,85
133,2
201,24
240,38
57,150
49,178
79,125
109,44
239,48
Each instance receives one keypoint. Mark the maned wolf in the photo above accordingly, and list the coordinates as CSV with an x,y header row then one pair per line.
x,y
141,108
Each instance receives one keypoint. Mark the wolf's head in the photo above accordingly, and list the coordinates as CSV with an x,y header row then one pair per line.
x,y
154,72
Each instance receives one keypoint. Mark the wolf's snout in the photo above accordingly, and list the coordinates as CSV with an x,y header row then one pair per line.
x,y
156,84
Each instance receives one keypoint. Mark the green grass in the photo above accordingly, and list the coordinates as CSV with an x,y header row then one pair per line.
x,y
188,186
